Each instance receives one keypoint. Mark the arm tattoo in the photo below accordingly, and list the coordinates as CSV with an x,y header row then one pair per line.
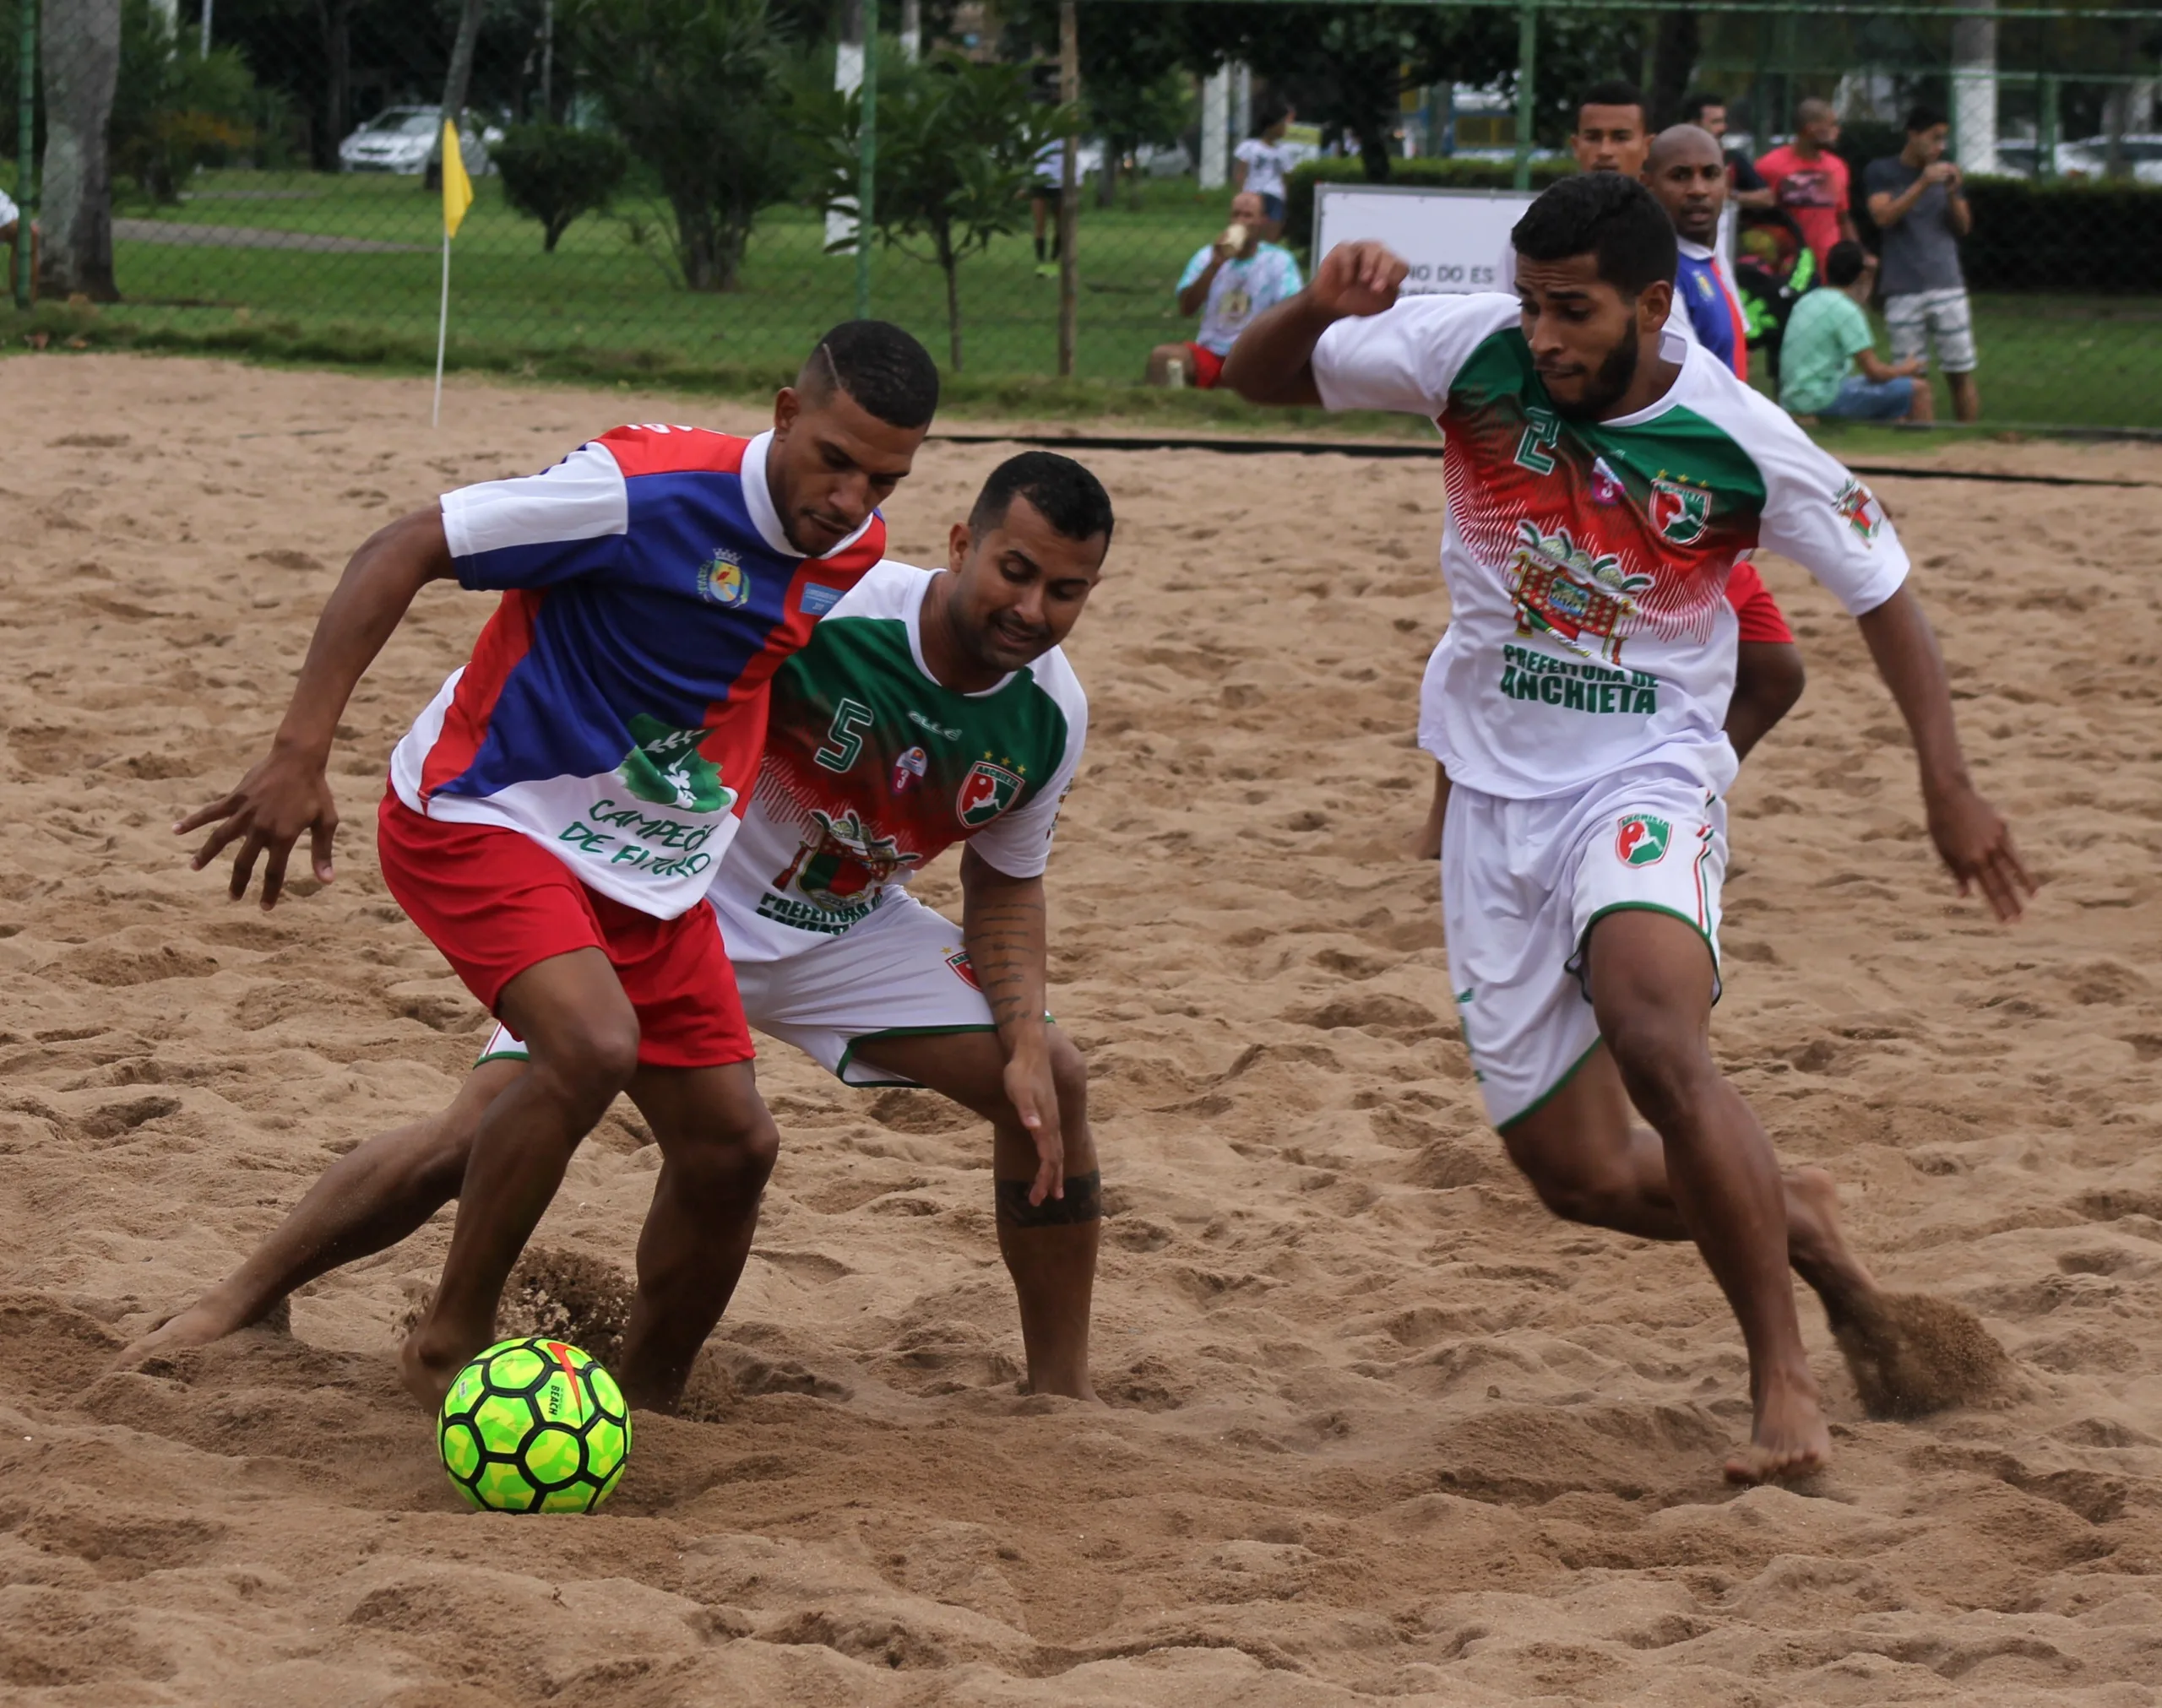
x,y
1083,1202
1004,932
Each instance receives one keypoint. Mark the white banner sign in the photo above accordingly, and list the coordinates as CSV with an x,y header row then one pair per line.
x,y
1455,240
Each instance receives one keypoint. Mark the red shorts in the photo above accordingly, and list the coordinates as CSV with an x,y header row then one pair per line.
x,y
1761,619
1208,366
496,903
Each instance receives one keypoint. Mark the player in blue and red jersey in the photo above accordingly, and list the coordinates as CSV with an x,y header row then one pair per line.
x,y
554,814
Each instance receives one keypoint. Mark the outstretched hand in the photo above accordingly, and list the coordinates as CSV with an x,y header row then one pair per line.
x,y
286,794
1033,1094
1355,280
1976,843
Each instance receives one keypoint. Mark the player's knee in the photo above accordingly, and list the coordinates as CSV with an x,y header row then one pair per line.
x,y
733,1158
1575,1186
1663,1063
590,1059
1069,1077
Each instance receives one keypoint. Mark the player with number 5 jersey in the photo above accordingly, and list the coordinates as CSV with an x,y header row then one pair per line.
x,y
928,710
1601,494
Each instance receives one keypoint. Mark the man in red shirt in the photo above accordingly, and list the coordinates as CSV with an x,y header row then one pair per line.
x,y
1810,182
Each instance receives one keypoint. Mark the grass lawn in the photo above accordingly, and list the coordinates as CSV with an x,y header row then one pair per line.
x,y
607,303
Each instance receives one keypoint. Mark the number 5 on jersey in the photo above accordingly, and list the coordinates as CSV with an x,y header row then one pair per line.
x,y
843,742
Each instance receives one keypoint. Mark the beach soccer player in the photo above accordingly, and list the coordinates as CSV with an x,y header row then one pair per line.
x,y
555,814
928,710
1598,494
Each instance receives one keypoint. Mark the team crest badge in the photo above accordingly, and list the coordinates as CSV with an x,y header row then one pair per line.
x,y
962,968
1681,513
987,791
722,580
1859,509
1641,840
908,768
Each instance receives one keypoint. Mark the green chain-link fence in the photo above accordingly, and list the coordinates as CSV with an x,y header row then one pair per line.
x,y
654,178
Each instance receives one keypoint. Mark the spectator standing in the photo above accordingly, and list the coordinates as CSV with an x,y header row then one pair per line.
x,y
1227,283
1046,195
1919,201
1613,132
1810,182
1828,337
1686,171
10,219
1264,160
1746,185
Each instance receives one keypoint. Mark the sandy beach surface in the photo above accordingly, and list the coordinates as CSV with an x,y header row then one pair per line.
x,y
1378,1428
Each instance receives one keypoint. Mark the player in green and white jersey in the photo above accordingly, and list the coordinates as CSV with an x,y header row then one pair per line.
x,y
1599,492
928,709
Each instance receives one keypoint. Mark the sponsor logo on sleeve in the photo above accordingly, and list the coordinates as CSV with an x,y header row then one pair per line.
x,y
985,791
722,580
1641,840
1859,509
908,769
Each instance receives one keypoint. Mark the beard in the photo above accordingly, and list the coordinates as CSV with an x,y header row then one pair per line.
x,y
1605,387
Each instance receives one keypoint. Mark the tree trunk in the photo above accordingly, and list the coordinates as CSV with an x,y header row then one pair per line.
x,y
1107,180
82,66
460,75
1675,46
952,267
333,18
454,84
1373,148
698,246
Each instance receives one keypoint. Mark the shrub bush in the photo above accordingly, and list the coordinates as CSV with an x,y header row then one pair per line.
x,y
554,174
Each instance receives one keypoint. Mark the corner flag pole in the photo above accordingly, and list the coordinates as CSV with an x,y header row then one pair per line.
x,y
457,197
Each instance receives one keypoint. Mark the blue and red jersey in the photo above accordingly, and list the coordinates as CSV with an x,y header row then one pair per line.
x,y
614,709
1714,311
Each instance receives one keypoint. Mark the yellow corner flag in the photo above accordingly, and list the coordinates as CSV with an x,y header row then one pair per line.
x,y
457,187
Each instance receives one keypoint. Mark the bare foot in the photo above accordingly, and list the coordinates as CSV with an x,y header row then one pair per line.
x,y
1790,1438
426,1368
210,1318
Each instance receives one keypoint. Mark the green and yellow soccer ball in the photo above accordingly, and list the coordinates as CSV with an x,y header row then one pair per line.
x,y
535,1426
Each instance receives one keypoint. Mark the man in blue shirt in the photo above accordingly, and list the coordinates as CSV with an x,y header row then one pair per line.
x,y
1686,175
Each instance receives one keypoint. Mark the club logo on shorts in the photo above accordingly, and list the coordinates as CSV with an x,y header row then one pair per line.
x,y
987,791
1681,513
908,768
1641,840
962,970
1859,509
722,580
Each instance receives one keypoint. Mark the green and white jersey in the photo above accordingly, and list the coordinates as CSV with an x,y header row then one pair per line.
x,y
872,769
1586,561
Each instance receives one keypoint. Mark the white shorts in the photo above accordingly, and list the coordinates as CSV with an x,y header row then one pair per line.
x,y
1920,318
1523,883
903,972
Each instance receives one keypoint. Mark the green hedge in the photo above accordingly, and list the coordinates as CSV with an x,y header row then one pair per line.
x,y
2075,236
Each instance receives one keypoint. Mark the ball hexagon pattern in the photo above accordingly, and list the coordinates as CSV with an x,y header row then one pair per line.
x,y
533,1426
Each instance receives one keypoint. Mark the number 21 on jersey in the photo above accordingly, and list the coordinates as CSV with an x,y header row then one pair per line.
x,y
1543,428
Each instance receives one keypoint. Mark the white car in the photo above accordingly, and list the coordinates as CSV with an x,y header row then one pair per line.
x,y
2089,157
401,138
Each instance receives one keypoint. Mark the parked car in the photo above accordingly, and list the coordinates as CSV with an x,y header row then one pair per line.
x,y
401,138
2018,157
2089,157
